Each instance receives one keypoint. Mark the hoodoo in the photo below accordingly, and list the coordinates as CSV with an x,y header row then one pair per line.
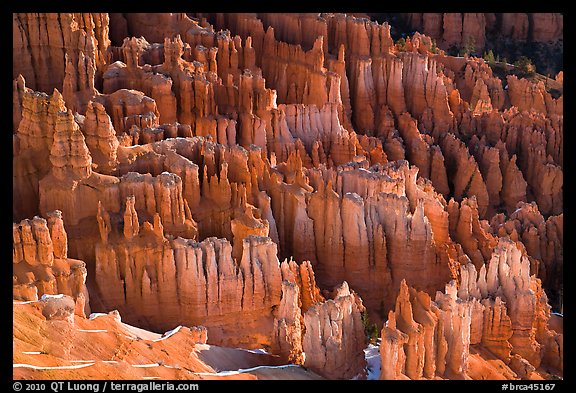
x,y
287,196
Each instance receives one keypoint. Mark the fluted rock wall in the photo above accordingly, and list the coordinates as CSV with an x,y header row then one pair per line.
x,y
311,137
33,141
334,339
135,270
458,29
41,265
543,240
65,51
251,301
500,308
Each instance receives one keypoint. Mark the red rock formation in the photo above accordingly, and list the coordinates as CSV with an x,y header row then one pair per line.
x,y
436,335
100,138
69,154
49,140
462,168
235,302
157,86
543,240
497,329
375,201
393,357
322,127
452,25
40,262
52,45
287,331
471,233
136,49
71,183
454,29
314,85
71,166
509,318
515,25
120,350
438,174
526,95
18,90
304,277
127,108
480,87
513,185
156,27
312,137
245,224
142,260
474,29
334,339
526,305
531,159
417,148
546,26
299,293
375,40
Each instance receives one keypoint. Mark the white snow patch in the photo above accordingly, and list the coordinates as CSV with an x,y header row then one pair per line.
x,y
109,361
46,296
26,302
557,313
95,315
81,361
52,367
169,333
245,370
93,331
146,365
372,355
32,353
260,351
141,333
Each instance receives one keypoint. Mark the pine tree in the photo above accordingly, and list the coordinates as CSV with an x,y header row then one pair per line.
x,y
525,65
469,47
434,48
489,57
401,44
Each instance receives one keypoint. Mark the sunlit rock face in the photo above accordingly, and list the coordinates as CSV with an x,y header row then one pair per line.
x,y
300,184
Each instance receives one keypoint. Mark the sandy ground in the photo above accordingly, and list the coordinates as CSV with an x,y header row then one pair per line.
x,y
103,347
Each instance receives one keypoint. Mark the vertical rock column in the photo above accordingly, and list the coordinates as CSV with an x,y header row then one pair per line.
x,y
334,340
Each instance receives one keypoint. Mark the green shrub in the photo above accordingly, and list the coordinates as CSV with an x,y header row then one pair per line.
x,y
469,47
434,48
370,329
401,44
489,57
524,65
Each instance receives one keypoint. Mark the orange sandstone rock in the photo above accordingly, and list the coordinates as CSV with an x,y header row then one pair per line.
x,y
41,265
